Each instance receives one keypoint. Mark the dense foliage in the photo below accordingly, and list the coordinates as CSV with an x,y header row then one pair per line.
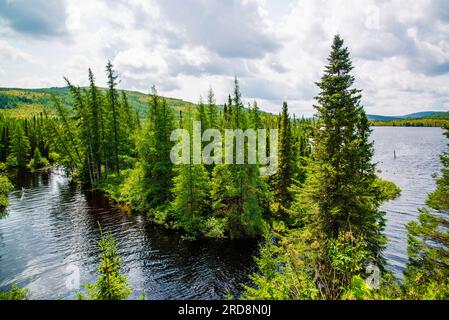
x,y
337,207
319,213
5,188
15,293
431,122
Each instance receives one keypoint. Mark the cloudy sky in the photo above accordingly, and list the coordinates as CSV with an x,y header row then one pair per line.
x,y
277,48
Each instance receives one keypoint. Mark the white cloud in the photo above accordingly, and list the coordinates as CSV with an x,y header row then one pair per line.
x,y
8,52
400,49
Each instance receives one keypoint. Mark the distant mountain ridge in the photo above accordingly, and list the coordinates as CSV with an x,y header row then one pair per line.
x,y
416,115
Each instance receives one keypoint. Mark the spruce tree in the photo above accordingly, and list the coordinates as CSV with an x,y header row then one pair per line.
x,y
237,189
283,178
95,125
340,197
154,149
127,126
202,115
212,112
255,118
20,147
191,190
114,107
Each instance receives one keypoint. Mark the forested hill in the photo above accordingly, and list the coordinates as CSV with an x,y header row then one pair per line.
x,y
21,102
419,119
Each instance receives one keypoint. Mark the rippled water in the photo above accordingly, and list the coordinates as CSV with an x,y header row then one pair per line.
x,y
417,159
52,229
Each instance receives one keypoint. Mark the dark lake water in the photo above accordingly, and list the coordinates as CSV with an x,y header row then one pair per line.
x,y
51,230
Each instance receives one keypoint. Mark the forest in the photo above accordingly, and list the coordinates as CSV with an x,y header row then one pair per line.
x,y
317,219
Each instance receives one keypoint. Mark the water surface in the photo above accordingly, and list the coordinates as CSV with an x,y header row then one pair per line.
x,y
417,159
52,228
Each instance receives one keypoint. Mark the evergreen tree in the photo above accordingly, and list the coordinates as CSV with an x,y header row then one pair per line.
x,y
114,107
154,149
37,161
225,116
110,284
212,112
283,178
340,197
255,119
202,116
127,127
75,137
20,147
191,190
427,273
95,125
237,189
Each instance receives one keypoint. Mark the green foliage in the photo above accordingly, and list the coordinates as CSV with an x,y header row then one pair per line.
x,y
20,148
340,194
191,203
154,148
15,293
338,227
387,189
427,271
5,188
110,284
8,101
38,161
431,122
23,103
283,178
238,192
281,275
20,137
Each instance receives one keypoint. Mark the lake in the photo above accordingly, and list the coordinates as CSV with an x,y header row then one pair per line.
x,y
49,232
417,159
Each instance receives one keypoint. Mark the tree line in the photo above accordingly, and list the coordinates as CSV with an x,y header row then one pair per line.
x,y
336,250
319,213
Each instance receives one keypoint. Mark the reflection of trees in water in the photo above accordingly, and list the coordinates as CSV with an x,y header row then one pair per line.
x,y
63,223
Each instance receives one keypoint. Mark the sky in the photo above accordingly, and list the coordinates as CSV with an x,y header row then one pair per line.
x,y
276,48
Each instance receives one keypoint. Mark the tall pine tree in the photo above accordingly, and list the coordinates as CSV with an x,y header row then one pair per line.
x,y
340,197
114,108
154,149
191,190
283,178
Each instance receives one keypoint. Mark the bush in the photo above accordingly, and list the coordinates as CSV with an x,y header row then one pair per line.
x,y
5,188
38,161
15,293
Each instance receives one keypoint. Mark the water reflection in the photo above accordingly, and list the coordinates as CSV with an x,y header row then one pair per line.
x,y
55,225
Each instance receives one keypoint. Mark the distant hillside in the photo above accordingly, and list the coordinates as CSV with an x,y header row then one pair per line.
x,y
374,117
439,115
423,114
416,115
20,102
